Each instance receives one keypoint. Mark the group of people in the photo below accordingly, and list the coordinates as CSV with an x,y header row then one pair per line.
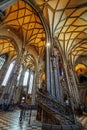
x,y
7,107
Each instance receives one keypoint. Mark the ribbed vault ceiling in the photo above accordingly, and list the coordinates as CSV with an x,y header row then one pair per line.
x,y
7,47
68,23
24,21
28,25
67,20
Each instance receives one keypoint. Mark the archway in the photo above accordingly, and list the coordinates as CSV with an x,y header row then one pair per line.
x,y
81,71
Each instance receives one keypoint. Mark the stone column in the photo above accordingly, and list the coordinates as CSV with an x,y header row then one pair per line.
x,y
75,89
56,78
52,79
13,79
4,71
69,88
20,85
17,89
73,86
34,89
48,67
36,82
58,75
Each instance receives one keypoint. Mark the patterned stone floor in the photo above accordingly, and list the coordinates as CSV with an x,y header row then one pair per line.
x,y
10,121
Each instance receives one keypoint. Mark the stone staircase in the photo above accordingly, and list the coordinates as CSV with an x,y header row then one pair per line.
x,y
52,113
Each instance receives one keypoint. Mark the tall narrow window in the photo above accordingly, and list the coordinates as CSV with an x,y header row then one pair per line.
x,y
19,75
2,60
26,75
8,74
30,84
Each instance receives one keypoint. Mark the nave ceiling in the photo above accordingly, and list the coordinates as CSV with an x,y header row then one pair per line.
x,y
67,21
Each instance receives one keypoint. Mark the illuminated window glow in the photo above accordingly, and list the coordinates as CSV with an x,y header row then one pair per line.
x,y
25,81
30,84
7,76
19,75
2,60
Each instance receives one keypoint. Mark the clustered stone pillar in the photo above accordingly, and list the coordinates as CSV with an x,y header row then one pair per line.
x,y
33,90
58,74
52,73
53,89
21,83
74,86
13,79
48,68
36,84
2,76
55,85
69,89
68,79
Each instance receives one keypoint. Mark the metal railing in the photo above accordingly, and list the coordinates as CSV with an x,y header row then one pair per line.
x,y
57,109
